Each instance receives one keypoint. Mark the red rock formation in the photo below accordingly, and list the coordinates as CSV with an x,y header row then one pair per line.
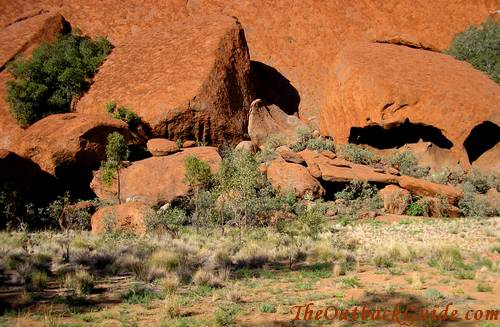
x,y
388,85
189,79
126,216
160,180
291,177
162,147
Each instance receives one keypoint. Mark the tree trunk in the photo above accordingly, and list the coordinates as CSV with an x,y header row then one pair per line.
x,y
118,183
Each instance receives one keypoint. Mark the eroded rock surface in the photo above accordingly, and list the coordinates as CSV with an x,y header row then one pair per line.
x,y
290,177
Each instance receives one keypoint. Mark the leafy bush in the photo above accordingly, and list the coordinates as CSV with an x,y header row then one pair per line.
x,y
407,164
139,294
226,315
306,141
479,46
123,113
358,154
415,209
168,220
357,197
81,282
57,73
472,205
116,152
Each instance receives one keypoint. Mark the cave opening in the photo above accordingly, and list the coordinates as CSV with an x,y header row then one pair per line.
x,y
482,138
397,136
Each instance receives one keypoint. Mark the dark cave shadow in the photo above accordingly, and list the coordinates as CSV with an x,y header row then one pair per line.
x,y
274,88
481,138
397,136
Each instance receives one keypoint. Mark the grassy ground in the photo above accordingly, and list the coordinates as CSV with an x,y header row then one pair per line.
x,y
206,279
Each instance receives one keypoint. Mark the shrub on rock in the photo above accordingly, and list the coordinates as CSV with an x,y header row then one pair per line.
x,y
56,73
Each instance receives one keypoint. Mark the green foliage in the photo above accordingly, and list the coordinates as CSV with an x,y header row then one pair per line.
x,y
116,149
267,308
226,315
358,154
407,164
81,282
123,113
480,46
197,172
168,220
357,197
268,149
139,294
57,72
472,205
306,141
415,209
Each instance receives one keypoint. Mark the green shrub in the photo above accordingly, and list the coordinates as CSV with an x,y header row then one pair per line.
x,y
407,164
38,281
169,220
116,152
357,197
415,209
472,205
479,46
56,73
140,294
267,308
306,141
226,315
123,113
81,282
358,154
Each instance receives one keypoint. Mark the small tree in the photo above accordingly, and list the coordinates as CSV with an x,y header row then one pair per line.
x,y
57,73
480,46
197,175
116,152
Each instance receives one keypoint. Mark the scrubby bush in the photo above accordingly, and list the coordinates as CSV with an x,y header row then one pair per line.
x,y
479,46
198,175
123,113
407,164
472,205
356,198
268,149
56,73
168,220
306,141
81,282
415,209
358,154
116,152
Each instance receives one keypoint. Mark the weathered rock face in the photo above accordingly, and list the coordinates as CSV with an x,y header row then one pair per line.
x,y
249,146
287,177
69,146
126,216
27,34
162,147
264,121
160,180
396,199
22,37
288,155
386,95
339,170
297,41
425,188
189,79
489,161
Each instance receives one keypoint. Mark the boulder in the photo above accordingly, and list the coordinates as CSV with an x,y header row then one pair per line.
x,y
422,187
286,177
289,155
160,180
101,190
69,146
437,208
265,120
185,79
339,170
126,216
493,199
162,147
188,144
432,156
386,95
249,146
396,199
